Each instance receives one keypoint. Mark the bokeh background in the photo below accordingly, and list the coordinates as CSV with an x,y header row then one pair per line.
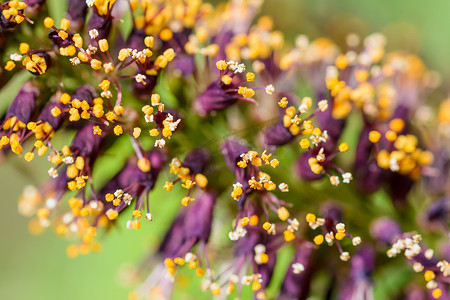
x,y
37,267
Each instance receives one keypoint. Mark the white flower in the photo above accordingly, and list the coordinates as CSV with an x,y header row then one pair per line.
x,y
16,57
140,78
52,172
298,268
347,177
283,187
93,33
160,143
68,160
323,105
270,89
75,61
90,3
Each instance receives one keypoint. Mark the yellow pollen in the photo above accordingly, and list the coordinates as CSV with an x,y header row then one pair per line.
x,y
318,239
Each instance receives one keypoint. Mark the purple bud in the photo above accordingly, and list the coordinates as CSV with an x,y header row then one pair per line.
x,y
144,91
135,39
231,150
296,286
197,160
76,13
191,226
185,64
276,135
86,142
84,92
246,245
34,4
303,169
4,23
334,127
398,188
103,25
215,98
439,210
46,115
57,40
385,230
198,220
24,103
360,284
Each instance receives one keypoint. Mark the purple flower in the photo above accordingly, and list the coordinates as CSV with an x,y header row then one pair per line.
x,y
385,230
102,24
192,226
24,104
46,116
76,13
359,285
215,98
197,160
276,135
296,285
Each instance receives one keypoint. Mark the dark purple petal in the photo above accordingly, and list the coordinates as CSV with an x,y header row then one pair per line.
x,y
214,99
103,25
76,13
144,91
276,135
24,103
57,40
303,169
86,142
197,160
385,230
296,286
46,115
231,150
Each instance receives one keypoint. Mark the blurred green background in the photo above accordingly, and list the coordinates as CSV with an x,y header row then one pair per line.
x,y
37,268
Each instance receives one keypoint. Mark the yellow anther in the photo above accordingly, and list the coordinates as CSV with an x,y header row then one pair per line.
x,y
283,102
62,34
245,221
169,54
185,201
179,261
136,132
397,125
137,213
304,143
10,65
105,84
112,214
429,275
97,130
96,64
155,99
109,197
24,47
166,132
307,101
103,45
283,213
118,130
144,165
226,79
318,239
64,24
221,65
148,41
341,62
343,147
288,236
391,135
256,285
339,235
436,293
169,263
29,156
254,220
166,34
55,111
200,272
123,54
154,132
250,76
48,22
310,218
201,180
374,136
267,225
65,98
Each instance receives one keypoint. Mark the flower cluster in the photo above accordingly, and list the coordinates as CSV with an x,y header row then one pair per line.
x,y
248,125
